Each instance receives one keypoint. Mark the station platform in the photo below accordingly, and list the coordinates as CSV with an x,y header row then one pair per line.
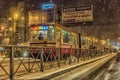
x,y
81,70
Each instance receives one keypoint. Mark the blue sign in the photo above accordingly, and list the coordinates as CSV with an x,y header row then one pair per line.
x,y
47,6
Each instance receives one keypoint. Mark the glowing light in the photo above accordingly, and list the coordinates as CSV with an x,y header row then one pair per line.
x,y
10,29
47,6
96,40
2,28
9,19
15,16
35,27
103,42
36,17
88,38
22,18
44,27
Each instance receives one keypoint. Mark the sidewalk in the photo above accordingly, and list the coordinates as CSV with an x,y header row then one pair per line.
x,y
56,71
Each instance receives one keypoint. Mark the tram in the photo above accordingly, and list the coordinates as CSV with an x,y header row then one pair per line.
x,y
53,35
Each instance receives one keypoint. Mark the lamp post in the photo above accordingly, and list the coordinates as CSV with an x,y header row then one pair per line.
x,y
10,30
13,19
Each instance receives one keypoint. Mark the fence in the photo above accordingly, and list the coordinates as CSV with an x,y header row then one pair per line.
x,y
18,60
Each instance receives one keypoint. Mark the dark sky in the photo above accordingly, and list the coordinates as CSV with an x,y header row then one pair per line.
x,y
106,12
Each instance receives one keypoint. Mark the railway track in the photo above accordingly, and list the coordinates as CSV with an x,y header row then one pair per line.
x,y
103,73
85,72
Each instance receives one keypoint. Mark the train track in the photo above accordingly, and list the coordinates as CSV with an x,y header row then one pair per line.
x,y
103,73
85,72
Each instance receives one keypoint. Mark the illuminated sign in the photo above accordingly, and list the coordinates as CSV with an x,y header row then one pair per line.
x,y
47,6
77,14
41,17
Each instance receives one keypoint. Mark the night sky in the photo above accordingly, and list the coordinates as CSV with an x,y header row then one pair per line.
x,y
106,12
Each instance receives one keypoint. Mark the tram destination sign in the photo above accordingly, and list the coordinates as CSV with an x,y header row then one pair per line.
x,y
41,17
77,14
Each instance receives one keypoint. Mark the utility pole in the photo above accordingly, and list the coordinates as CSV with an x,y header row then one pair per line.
x,y
26,21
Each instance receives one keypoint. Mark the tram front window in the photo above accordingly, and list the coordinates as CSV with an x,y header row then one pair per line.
x,y
42,33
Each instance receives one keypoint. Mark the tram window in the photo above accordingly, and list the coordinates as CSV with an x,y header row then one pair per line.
x,y
40,33
40,36
43,34
73,40
66,36
83,41
51,33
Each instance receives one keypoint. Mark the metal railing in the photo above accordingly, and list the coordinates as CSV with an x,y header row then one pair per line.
x,y
18,60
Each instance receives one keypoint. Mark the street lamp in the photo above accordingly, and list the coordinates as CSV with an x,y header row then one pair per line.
x,y
14,18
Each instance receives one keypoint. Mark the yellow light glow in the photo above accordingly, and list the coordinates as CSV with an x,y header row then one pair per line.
x,y
36,17
15,16
96,40
22,18
9,18
2,28
103,42
10,29
88,38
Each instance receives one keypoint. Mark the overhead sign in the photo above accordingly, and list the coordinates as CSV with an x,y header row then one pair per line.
x,y
47,6
77,14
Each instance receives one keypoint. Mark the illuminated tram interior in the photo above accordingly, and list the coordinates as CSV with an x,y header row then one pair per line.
x,y
53,35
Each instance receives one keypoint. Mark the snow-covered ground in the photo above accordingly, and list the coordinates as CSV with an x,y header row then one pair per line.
x,y
111,73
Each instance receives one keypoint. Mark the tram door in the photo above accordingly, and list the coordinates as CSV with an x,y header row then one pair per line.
x,y
58,38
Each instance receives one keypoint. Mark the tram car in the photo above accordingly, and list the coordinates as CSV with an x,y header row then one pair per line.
x,y
54,36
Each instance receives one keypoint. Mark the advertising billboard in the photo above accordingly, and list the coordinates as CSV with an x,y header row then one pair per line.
x,y
77,14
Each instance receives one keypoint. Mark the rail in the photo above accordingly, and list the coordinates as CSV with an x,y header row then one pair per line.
x,y
19,60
